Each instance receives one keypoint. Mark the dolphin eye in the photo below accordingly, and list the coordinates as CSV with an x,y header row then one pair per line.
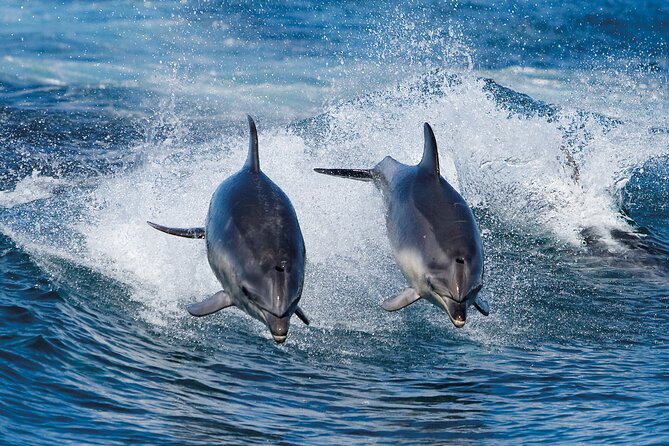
x,y
460,260
279,268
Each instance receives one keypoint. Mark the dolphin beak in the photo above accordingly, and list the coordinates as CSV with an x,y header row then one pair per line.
x,y
457,311
278,326
279,339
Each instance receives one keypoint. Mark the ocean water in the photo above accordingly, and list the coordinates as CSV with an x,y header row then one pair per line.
x,y
552,121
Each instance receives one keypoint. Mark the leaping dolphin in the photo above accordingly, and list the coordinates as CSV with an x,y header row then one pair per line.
x,y
433,233
254,246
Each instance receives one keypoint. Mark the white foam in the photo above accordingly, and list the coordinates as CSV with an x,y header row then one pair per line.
x,y
29,189
512,166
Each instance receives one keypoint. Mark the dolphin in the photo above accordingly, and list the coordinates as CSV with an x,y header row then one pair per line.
x,y
432,231
254,246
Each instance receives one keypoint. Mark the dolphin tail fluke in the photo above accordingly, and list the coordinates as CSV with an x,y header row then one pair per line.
x,y
303,317
401,300
482,305
253,160
430,160
180,232
210,305
354,174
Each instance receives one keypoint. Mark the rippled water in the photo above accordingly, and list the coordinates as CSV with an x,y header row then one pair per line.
x,y
552,121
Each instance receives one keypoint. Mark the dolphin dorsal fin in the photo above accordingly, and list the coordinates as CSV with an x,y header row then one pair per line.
x,y
430,159
252,160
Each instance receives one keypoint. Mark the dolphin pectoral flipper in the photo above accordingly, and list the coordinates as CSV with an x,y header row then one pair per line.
x,y
303,317
401,300
482,305
354,174
211,305
180,232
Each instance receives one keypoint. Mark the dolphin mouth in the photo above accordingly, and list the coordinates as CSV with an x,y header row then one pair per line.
x,y
278,326
279,339
459,323
457,311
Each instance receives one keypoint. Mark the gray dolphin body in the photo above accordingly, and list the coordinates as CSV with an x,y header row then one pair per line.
x,y
433,233
254,246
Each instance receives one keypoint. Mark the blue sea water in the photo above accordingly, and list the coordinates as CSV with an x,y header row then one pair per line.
x,y
552,121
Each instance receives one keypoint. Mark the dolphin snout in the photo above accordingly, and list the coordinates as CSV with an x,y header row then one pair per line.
x,y
457,311
279,339
279,332
447,294
278,326
459,321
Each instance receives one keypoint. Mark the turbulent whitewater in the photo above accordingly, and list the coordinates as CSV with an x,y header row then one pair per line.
x,y
550,123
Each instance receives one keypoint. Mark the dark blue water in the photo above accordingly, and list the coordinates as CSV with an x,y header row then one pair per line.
x,y
552,121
